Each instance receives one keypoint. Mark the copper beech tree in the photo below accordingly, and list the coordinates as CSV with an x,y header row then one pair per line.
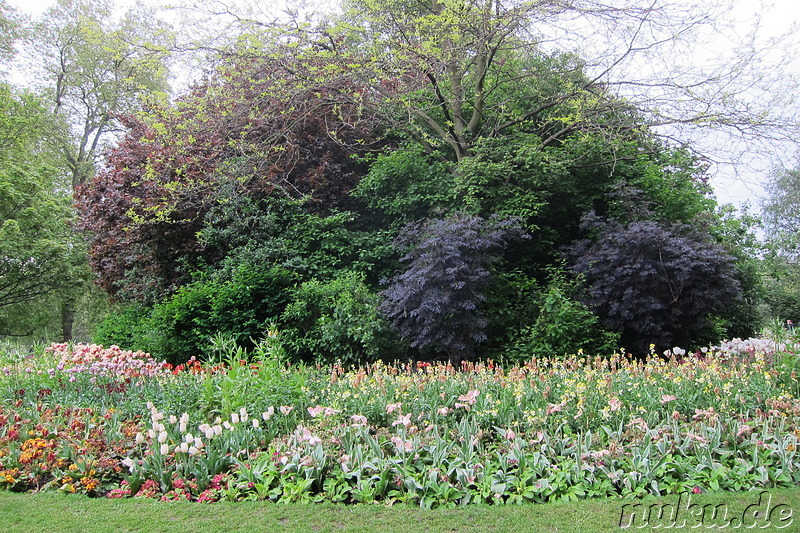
x,y
255,128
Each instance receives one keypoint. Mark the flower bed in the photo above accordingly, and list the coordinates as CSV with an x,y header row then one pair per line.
x,y
107,422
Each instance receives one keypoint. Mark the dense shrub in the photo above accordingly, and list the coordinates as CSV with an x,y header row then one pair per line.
x,y
652,283
240,307
337,321
563,325
437,300
128,326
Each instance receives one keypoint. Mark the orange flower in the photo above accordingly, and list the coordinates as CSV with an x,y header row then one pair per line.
x,y
89,483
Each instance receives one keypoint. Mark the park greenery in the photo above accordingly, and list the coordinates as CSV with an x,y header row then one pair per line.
x,y
441,183
406,252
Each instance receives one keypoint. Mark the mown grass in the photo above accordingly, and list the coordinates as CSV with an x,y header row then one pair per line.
x,y
54,512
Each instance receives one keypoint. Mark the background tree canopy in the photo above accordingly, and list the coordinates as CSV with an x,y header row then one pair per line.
x,y
39,253
405,179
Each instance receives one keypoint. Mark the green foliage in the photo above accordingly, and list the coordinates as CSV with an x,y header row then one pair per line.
x,y
511,177
782,211
665,184
737,231
563,325
407,185
742,317
128,326
338,321
10,30
278,230
39,253
781,267
781,288
240,306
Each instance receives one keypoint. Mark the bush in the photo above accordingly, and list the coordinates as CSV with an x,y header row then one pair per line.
x,y
653,283
437,301
337,320
563,326
127,326
240,307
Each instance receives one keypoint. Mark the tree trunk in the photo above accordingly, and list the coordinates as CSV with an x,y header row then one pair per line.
x,y
67,318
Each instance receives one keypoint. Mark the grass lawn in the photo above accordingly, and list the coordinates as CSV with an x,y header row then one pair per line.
x,y
54,512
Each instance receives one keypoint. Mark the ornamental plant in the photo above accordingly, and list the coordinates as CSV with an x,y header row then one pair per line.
x,y
436,301
651,281
431,435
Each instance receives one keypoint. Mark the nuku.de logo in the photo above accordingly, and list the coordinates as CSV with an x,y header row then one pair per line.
x,y
684,514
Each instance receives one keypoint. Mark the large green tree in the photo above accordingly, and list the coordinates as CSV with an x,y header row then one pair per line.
x,y
781,210
94,65
39,253
781,213
456,71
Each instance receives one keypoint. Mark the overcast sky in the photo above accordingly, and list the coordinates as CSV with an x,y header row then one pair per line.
x,y
777,17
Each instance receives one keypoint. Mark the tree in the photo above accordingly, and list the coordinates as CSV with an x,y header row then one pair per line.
x,y
781,211
654,283
455,71
95,68
436,301
39,254
10,31
737,231
253,130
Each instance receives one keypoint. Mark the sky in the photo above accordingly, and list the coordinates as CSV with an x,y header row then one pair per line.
x,y
738,184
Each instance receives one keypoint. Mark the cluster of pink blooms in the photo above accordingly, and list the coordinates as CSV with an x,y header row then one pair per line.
x,y
182,489
753,346
320,410
468,400
98,360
